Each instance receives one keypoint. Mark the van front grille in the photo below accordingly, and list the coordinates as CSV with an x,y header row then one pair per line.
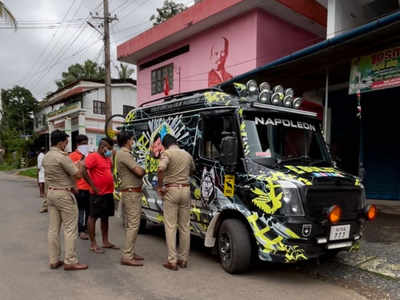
x,y
318,201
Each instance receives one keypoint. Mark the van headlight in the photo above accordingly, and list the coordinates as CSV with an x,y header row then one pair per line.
x,y
291,201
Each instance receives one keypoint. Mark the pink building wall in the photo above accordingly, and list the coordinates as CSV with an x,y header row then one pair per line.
x,y
277,38
255,38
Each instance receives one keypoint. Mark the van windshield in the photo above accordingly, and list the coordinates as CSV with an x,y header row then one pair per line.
x,y
287,139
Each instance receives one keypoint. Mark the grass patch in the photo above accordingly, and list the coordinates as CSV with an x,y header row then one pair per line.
x,y
6,167
29,172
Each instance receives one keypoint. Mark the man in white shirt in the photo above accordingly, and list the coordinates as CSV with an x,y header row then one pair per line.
x,y
41,181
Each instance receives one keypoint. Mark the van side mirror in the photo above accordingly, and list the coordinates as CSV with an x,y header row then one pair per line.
x,y
229,151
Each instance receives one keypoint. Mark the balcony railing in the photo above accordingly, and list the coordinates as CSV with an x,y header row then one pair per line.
x,y
64,109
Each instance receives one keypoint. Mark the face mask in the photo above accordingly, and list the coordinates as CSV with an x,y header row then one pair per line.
x,y
64,145
108,153
84,149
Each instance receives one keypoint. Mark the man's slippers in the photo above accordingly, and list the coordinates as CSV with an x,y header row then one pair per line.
x,y
111,246
97,250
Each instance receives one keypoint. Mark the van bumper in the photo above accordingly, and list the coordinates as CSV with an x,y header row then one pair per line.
x,y
315,245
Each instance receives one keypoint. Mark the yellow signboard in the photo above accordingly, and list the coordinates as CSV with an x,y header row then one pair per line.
x,y
229,185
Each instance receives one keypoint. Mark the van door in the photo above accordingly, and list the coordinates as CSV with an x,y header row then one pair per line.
x,y
209,172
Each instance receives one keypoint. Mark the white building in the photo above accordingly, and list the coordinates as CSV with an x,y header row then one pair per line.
x,y
79,108
345,15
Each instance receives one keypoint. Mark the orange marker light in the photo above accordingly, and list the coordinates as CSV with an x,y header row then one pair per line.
x,y
371,212
334,214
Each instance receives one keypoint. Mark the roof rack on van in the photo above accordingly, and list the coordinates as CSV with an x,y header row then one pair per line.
x,y
181,95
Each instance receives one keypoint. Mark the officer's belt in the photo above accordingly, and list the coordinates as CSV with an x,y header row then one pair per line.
x,y
136,190
178,185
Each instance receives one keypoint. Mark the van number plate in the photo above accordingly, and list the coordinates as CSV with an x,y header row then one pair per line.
x,y
340,232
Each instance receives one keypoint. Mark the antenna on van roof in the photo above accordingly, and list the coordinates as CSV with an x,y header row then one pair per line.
x,y
181,95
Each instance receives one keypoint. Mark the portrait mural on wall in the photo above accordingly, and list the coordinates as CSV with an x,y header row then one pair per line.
x,y
218,54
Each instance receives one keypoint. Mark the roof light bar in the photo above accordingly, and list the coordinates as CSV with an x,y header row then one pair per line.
x,y
285,109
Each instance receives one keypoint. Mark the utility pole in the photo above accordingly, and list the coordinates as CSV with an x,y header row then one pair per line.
x,y
107,60
107,20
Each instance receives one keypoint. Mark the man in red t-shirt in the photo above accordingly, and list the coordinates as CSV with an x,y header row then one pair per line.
x,y
98,174
82,197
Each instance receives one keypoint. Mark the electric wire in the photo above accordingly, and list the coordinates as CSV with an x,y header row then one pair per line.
x,y
53,62
38,60
135,8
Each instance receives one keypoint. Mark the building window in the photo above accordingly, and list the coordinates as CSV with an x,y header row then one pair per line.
x,y
126,109
44,120
158,78
99,107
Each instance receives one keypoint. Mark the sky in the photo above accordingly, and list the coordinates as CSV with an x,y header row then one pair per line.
x,y
37,53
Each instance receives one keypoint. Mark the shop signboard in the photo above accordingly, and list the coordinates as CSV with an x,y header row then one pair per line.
x,y
380,70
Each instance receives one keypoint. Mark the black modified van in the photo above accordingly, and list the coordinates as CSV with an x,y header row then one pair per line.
x,y
265,182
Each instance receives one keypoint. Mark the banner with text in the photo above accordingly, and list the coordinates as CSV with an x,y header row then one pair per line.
x,y
380,70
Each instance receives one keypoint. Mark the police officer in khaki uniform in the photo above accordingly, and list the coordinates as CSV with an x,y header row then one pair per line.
x,y
175,167
130,174
60,174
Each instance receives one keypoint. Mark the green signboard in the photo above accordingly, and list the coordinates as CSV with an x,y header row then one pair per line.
x,y
380,70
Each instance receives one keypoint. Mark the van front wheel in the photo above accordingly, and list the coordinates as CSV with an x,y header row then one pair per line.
x,y
234,246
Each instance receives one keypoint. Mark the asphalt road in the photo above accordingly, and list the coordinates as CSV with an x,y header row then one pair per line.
x,y
25,273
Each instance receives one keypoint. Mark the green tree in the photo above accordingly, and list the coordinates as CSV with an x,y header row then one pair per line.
x,y
168,10
18,108
19,105
88,70
124,72
6,14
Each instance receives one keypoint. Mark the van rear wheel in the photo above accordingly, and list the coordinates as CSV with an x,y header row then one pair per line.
x,y
234,246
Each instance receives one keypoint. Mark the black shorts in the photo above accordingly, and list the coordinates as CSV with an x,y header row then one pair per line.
x,y
101,206
83,199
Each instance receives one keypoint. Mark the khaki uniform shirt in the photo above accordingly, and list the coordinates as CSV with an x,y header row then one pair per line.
x,y
125,163
177,165
59,169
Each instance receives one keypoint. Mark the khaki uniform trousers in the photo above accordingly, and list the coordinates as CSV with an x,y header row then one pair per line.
x,y
133,211
177,204
44,199
62,210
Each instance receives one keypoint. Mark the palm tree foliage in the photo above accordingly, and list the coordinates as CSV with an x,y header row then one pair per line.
x,y
6,14
124,72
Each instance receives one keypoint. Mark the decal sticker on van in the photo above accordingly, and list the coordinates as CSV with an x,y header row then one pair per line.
x,y
284,122
273,245
218,97
229,185
208,192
